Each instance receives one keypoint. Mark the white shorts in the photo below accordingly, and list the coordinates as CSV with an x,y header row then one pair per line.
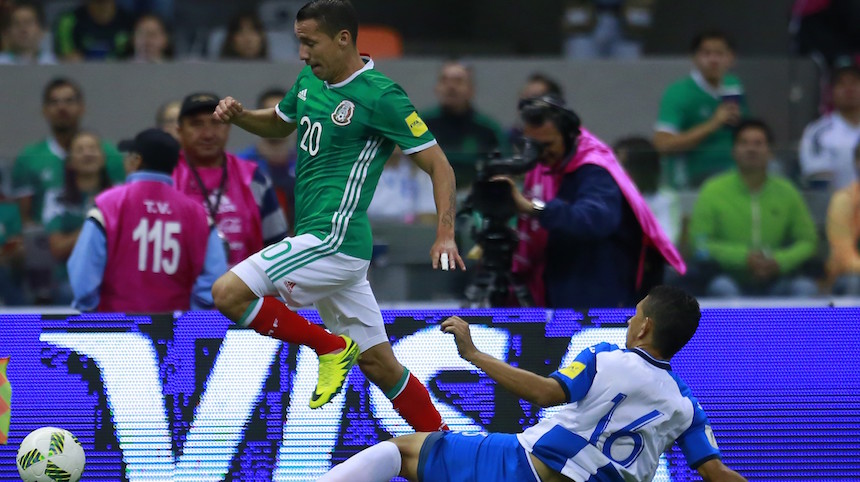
x,y
335,284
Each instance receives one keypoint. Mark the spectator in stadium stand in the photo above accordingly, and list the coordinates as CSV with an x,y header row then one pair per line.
x,y
605,28
642,162
843,234
22,37
465,134
697,114
246,38
11,252
537,84
235,193
151,41
113,268
826,30
96,30
66,207
404,193
754,225
167,118
162,8
40,166
827,145
276,157
586,235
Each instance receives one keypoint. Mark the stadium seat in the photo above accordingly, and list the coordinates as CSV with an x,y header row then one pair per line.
x,y
279,14
380,41
53,9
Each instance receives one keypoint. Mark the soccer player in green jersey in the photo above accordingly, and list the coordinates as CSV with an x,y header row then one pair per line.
x,y
348,118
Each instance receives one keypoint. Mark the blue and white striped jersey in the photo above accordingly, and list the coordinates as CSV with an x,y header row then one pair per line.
x,y
625,409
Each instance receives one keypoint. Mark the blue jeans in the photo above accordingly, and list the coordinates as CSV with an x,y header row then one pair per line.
x,y
847,285
10,288
723,286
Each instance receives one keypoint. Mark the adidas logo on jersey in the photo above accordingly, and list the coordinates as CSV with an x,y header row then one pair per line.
x,y
303,94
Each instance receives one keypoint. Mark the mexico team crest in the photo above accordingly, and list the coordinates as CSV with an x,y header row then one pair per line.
x,y
342,115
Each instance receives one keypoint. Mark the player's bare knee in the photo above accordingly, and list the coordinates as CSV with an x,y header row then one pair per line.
x,y
231,295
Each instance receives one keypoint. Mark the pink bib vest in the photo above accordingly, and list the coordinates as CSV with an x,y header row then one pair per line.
x,y
238,216
543,183
156,247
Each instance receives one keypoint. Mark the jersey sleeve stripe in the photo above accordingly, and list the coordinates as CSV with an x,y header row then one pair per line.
x,y
283,116
666,127
420,148
96,215
561,382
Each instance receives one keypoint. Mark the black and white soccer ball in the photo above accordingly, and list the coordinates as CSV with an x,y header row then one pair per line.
x,y
50,454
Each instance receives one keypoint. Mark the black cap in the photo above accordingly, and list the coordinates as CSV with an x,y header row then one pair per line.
x,y
157,148
198,102
845,68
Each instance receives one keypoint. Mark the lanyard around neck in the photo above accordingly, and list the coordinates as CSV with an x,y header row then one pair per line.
x,y
213,210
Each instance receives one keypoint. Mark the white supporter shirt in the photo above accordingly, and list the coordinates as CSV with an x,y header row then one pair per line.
x,y
626,408
827,146
404,191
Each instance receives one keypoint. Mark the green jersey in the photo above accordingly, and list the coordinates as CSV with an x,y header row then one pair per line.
x,y
63,217
40,167
10,221
345,133
687,103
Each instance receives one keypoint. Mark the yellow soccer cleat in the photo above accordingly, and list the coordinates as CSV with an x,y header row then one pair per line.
x,y
334,367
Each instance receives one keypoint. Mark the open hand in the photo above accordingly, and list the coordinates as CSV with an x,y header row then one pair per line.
x,y
445,249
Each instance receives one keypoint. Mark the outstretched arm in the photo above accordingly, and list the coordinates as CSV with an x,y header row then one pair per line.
x,y
716,471
262,122
543,391
433,161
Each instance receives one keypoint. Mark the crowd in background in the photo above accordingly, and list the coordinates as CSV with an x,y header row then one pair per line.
x,y
750,230
105,30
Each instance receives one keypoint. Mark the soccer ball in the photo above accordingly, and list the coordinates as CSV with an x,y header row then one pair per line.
x,y
50,455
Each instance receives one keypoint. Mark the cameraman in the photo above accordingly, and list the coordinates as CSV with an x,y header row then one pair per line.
x,y
587,238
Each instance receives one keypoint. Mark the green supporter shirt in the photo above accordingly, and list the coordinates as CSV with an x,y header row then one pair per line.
x,y
687,103
345,134
729,221
10,221
466,139
40,167
63,217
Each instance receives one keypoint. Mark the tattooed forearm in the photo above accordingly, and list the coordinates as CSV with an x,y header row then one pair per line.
x,y
446,220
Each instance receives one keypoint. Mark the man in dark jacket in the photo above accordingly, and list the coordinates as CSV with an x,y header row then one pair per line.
x,y
587,238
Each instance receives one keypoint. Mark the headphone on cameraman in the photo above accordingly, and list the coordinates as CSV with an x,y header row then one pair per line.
x,y
537,110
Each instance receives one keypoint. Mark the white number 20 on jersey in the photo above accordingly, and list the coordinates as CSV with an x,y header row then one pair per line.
x,y
311,137
165,248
